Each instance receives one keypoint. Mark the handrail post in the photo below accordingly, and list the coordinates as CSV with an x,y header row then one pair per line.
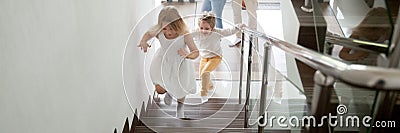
x,y
383,108
267,56
386,100
395,45
320,105
248,82
241,69
307,7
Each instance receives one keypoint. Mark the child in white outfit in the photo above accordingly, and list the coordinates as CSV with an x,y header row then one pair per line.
x,y
170,71
210,49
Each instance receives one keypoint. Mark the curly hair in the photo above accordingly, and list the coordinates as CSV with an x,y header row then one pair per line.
x,y
208,17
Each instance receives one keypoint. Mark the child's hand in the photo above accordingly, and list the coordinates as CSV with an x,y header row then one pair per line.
x,y
182,52
144,46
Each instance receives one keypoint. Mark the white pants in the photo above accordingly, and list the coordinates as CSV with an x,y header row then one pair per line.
x,y
251,7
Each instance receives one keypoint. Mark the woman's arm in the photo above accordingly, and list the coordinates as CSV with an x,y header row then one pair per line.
x,y
194,52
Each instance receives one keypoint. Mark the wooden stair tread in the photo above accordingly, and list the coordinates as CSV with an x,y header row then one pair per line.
x,y
193,129
217,115
194,113
213,100
214,106
196,117
174,122
208,129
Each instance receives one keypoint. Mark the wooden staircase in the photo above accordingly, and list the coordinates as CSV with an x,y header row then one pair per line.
x,y
217,115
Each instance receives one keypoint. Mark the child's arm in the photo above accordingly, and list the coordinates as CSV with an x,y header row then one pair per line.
x,y
143,43
194,52
194,32
228,32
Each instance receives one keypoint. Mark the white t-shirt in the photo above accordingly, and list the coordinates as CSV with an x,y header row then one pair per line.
x,y
210,44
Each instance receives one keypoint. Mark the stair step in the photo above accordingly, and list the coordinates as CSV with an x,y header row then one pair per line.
x,y
174,122
210,100
215,115
198,117
194,113
141,129
216,106
208,106
282,108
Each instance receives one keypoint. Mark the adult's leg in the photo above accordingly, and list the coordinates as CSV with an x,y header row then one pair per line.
x,y
237,13
217,6
206,6
251,7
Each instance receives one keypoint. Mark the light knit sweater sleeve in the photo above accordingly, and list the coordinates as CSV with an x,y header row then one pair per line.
x,y
195,32
227,32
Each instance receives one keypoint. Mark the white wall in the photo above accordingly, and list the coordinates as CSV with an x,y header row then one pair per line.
x,y
136,63
61,64
291,27
380,3
291,24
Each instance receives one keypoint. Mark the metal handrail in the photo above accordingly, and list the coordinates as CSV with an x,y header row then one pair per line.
x,y
382,80
357,44
358,75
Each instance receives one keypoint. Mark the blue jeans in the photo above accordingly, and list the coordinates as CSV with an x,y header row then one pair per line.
x,y
216,6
